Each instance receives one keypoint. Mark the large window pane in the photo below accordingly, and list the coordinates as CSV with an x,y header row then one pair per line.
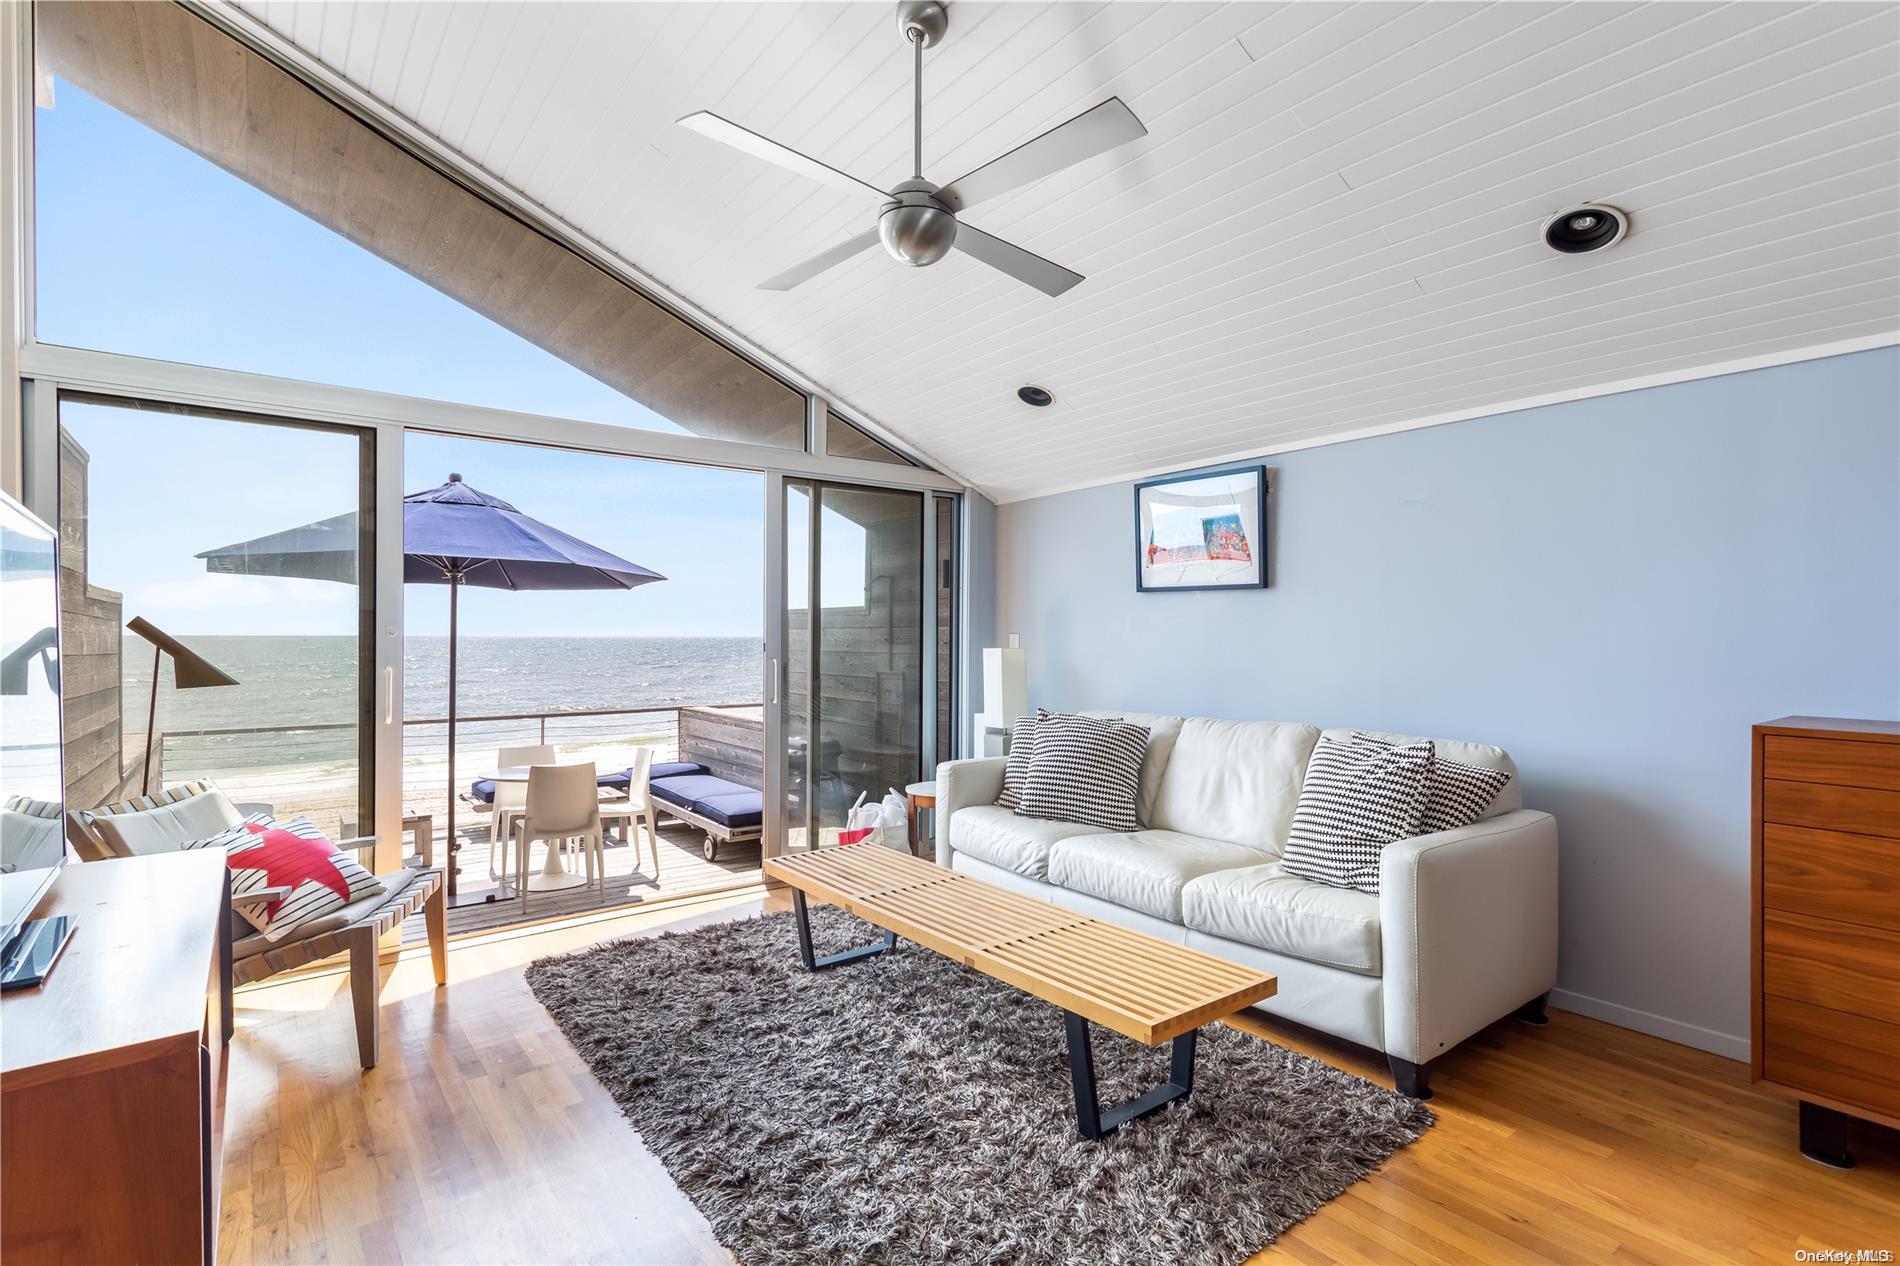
x,y
673,667
144,493
946,583
795,716
867,707
219,212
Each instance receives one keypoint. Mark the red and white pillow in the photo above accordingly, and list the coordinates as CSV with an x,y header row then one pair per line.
x,y
265,853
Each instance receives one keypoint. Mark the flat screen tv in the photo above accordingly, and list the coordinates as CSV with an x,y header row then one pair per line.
x,y
32,788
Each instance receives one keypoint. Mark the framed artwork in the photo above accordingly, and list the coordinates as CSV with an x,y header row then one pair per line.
x,y
1202,530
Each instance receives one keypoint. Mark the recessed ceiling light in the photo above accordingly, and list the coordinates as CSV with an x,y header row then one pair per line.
x,y
1594,226
1037,396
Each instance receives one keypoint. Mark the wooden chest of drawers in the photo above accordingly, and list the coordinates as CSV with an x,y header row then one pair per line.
x,y
1825,947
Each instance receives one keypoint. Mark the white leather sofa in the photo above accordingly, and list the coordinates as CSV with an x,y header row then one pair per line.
x,y
1462,932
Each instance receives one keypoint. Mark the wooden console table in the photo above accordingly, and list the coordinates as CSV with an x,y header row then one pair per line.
x,y
112,1081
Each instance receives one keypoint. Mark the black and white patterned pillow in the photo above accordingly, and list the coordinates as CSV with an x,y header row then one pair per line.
x,y
1357,797
1022,750
1085,770
1459,793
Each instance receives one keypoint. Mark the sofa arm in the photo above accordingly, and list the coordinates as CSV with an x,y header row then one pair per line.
x,y
964,784
1468,921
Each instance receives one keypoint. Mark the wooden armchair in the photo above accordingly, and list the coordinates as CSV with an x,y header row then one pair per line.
x,y
168,820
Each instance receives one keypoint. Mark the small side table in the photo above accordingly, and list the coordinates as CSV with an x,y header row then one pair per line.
x,y
421,826
922,795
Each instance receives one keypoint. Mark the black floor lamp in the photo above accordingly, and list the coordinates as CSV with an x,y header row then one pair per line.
x,y
190,671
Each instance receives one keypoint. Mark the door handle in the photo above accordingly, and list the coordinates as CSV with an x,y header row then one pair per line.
x,y
389,696
775,683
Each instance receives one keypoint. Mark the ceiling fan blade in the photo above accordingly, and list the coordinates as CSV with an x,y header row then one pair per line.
x,y
1089,133
1033,270
707,123
800,273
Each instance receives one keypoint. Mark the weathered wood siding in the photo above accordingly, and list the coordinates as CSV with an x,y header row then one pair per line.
x,y
91,635
728,741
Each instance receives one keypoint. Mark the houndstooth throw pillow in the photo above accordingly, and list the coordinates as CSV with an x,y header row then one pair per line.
x,y
1022,749
1085,770
1457,795
1357,798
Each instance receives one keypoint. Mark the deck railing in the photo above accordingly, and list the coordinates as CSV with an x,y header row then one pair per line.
x,y
313,768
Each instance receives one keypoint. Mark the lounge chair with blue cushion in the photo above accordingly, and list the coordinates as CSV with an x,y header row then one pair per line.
x,y
725,811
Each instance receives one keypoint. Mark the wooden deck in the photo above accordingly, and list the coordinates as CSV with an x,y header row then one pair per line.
x,y
683,869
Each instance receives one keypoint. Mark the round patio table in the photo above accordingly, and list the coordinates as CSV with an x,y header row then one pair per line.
x,y
553,876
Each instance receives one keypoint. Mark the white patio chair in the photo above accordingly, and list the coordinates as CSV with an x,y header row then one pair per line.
x,y
510,799
563,804
638,808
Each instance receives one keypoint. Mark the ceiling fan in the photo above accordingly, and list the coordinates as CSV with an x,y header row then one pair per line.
x,y
918,224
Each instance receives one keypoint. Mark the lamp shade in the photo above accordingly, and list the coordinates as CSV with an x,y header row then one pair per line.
x,y
190,670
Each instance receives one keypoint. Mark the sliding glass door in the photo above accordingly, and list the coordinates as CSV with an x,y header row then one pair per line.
x,y
241,541
848,716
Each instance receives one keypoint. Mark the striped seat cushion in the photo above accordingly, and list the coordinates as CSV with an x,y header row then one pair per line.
x,y
1085,770
163,796
33,808
1358,797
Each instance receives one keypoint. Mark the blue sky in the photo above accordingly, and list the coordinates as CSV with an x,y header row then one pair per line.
x,y
147,249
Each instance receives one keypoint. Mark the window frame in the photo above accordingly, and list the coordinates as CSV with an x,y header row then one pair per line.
x,y
29,453
78,368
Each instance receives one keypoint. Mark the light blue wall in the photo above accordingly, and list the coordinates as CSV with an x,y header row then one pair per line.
x,y
1613,589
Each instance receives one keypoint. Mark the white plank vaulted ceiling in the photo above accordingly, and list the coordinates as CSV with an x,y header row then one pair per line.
x,y
1331,227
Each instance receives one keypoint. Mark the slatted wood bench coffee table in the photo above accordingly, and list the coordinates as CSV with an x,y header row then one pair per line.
x,y
1138,985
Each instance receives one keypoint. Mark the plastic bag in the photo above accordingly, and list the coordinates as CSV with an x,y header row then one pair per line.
x,y
861,823
885,822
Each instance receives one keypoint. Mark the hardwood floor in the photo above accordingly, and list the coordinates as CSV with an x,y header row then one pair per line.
x,y
482,1137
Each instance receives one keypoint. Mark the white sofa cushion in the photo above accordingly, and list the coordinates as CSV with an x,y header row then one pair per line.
x,y
1162,733
1236,781
996,835
1143,870
1266,907
1480,754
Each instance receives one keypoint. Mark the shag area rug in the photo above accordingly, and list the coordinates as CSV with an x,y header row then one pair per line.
x,y
905,1109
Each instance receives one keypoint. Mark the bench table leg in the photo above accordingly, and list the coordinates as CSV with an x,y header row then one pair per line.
x,y
1091,1121
831,960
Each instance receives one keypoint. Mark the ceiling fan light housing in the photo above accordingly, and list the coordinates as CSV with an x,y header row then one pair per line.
x,y
1592,226
915,228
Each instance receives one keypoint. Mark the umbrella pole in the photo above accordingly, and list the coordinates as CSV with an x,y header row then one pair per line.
x,y
455,584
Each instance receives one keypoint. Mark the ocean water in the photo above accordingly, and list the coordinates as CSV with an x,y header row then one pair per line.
x,y
297,699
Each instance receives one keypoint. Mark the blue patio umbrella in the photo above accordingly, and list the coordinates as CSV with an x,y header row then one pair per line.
x,y
453,535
